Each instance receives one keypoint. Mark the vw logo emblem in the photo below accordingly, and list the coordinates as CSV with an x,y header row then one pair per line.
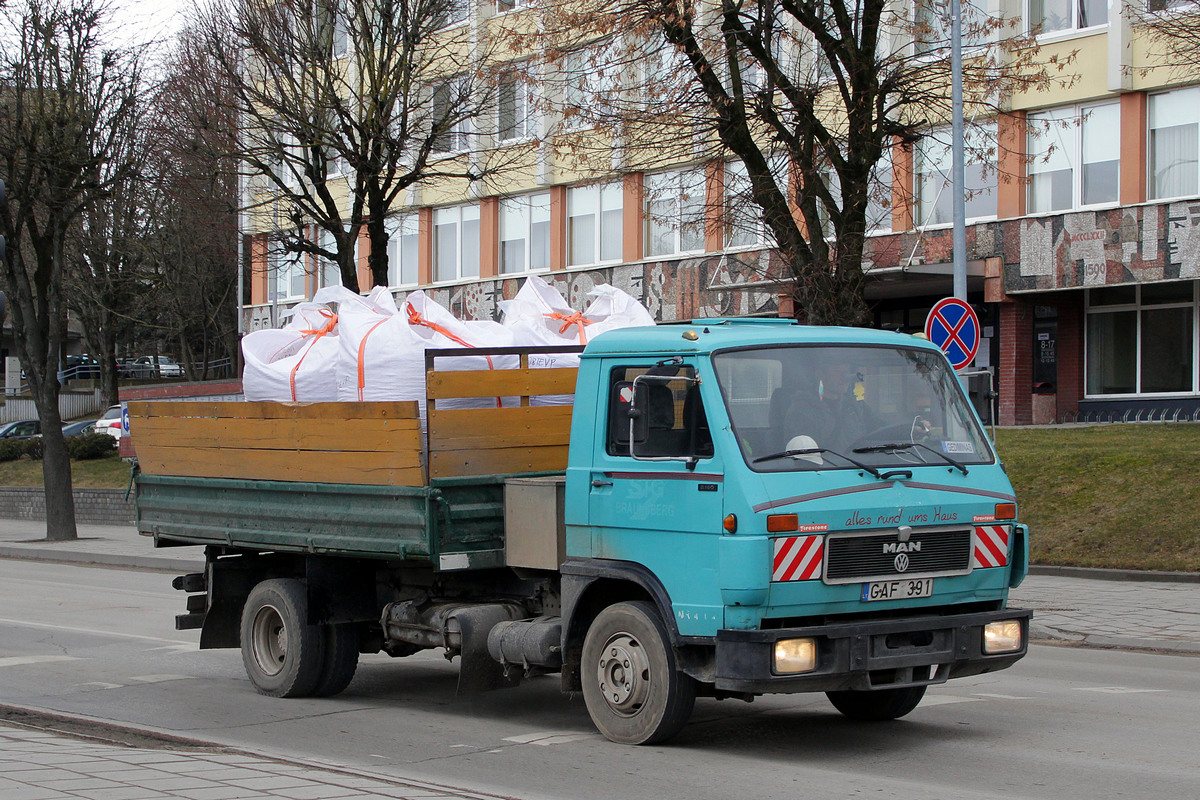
x,y
902,562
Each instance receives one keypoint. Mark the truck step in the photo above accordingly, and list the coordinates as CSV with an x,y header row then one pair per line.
x,y
189,622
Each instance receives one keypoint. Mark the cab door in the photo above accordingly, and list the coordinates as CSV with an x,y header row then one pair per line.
x,y
657,487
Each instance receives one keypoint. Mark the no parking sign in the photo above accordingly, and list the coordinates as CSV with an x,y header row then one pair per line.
x,y
953,326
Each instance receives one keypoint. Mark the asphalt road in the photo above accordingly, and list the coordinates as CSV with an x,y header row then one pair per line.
x,y
1064,723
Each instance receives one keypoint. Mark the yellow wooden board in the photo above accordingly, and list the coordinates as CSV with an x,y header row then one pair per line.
x,y
272,410
530,426
375,469
356,435
500,383
457,463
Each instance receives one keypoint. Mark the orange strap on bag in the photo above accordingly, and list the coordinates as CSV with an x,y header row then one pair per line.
x,y
330,324
577,319
415,318
362,357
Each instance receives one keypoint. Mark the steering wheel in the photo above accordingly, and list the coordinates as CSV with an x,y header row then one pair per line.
x,y
895,433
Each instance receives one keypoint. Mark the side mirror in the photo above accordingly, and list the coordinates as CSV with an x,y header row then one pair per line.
x,y
628,412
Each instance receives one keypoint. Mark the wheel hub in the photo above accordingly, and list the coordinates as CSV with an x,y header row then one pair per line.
x,y
270,640
623,674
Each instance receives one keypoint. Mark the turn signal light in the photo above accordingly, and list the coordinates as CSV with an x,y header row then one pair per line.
x,y
730,524
777,523
1006,511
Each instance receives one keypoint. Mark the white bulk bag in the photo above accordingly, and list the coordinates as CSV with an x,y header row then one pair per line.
x,y
297,363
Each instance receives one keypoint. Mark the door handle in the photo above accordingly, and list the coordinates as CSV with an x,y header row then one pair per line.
x,y
596,484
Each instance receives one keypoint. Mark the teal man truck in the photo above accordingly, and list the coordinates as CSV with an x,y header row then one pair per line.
x,y
727,508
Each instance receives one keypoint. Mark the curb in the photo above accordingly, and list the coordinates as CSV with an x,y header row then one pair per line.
x,y
151,563
1094,573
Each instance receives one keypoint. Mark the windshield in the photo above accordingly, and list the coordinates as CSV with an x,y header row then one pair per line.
x,y
831,407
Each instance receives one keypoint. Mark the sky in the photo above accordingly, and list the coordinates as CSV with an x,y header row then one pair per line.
x,y
149,20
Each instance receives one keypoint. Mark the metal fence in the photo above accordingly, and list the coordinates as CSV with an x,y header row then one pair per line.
x,y
1104,417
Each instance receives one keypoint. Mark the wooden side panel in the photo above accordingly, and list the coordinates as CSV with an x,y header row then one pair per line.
x,y
357,443
497,441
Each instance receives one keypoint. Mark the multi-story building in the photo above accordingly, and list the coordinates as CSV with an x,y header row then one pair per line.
x,y
1083,238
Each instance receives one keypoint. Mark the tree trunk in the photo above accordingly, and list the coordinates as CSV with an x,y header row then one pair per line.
x,y
110,389
56,468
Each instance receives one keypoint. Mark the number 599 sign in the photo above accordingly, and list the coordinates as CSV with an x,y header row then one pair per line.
x,y
953,326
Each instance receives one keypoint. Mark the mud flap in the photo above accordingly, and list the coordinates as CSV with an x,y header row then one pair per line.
x,y
478,671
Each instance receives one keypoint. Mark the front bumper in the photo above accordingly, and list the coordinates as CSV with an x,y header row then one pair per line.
x,y
882,654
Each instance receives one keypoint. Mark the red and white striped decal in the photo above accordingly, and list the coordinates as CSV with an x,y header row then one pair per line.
x,y
798,558
991,545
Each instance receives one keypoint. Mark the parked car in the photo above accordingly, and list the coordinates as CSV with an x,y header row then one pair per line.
x,y
78,368
110,423
24,429
156,367
79,428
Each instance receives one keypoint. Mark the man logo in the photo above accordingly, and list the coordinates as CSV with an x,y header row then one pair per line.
x,y
902,562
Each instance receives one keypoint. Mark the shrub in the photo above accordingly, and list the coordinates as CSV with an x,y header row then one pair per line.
x,y
11,449
91,445
33,448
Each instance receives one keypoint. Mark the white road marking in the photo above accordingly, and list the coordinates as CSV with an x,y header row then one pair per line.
x,y
20,623
18,661
159,678
1116,689
547,738
100,685
946,699
176,648
1001,696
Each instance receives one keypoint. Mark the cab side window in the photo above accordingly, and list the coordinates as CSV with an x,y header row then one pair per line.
x,y
670,418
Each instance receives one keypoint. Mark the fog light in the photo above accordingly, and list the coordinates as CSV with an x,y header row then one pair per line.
x,y
795,655
1002,637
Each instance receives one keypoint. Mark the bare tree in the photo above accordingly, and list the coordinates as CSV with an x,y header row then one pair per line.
x,y
65,103
1174,31
804,98
345,105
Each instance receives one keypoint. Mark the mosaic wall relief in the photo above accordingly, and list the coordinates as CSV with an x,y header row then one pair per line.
x,y
671,290
1096,248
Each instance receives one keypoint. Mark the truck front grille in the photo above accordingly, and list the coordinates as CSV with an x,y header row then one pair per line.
x,y
862,556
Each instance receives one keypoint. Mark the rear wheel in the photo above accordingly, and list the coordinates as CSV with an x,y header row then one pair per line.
x,y
634,691
878,705
284,656
341,660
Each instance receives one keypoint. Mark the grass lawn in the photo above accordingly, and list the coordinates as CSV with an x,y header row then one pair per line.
x,y
95,473
1120,496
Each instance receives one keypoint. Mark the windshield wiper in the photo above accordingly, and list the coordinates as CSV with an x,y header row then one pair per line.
x,y
810,451
884,448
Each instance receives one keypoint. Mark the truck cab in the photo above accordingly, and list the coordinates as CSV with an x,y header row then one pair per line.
x,y
806,509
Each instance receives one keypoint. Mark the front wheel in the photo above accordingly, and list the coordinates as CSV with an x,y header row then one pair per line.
x,y
878,705
284,656
632,686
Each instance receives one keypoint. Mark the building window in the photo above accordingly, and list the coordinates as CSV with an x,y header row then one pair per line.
x,y
744,225
1141,339
1174,143
509,5
931,24
525,233
515,106
448,110
591,77
456,243
289,272
329,274
594,224
675,203
1052,16
935,195
1074,157
455,12
403,237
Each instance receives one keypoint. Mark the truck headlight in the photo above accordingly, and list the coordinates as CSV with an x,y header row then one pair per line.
x,y
795,655
1002,637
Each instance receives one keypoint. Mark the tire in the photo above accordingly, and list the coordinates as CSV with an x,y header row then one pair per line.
x,y
633,689
284,656
879,705
341,660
